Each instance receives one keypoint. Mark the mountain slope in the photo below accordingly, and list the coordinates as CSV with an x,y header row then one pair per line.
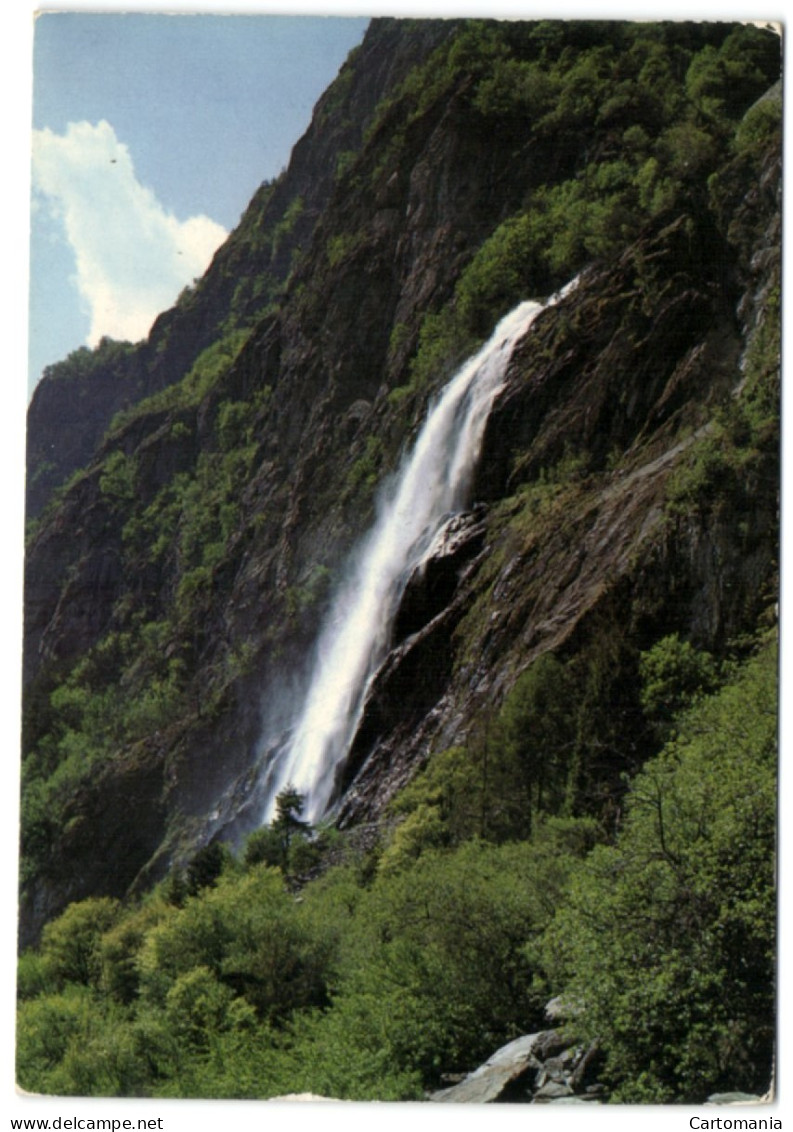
x,y
628,484
76,400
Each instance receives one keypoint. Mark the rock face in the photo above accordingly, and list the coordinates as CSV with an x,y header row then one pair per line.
x,y
175,587
616,549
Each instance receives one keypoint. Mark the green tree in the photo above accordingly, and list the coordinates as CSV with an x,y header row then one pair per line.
x,y
117,481
45,1027
287,822
667,938
432,969
70,945
539,733
247,931
673,675
288,842
205,867
199,1005
120,946
264,846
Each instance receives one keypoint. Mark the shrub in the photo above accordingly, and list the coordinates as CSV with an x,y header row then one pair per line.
x,y
674,674
45,1027
760,125
247,932
119,949
117,481
70,945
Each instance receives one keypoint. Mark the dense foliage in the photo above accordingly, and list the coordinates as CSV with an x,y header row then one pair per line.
x,y
627,123
83,362
387,970
668,936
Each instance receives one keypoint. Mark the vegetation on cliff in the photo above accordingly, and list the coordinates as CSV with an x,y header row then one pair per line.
x,y
580,798
395,967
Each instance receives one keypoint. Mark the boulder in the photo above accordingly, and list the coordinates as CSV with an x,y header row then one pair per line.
x,y
499,1075
551,1091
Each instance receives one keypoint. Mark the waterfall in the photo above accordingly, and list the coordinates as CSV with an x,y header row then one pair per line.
x,y
433,480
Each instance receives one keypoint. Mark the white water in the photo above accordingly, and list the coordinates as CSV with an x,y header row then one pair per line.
x,y
433,480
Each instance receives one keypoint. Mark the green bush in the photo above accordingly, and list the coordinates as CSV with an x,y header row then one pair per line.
x,y
264,846
198,1005
674,674
70,945
102,1059
117,481
46,1025
505,269
34,975
245,930
120,945
759,126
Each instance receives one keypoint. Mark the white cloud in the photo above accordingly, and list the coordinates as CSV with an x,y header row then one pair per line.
x,y
132,257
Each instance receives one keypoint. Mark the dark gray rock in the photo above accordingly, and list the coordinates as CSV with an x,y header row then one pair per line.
x,y
563,1074
586,1065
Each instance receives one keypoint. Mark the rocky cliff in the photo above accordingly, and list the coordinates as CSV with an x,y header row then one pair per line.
x,y
77,399
627,489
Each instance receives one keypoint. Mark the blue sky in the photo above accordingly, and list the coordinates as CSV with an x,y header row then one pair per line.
x,y
151,132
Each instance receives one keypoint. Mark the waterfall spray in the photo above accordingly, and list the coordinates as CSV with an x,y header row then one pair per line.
x,y
433,480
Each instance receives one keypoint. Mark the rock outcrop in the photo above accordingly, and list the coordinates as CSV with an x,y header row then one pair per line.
x,y
538,1068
